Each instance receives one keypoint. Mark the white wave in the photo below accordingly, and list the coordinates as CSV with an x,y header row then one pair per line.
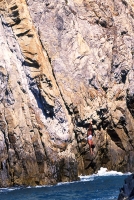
x,y
9,189
102,172
87,178
40,186
62,183
105,172
66,183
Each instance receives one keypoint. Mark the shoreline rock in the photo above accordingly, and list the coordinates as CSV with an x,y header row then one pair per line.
x,y
62,64
127,191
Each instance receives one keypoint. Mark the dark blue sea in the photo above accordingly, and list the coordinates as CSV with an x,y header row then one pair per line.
x,y
101,186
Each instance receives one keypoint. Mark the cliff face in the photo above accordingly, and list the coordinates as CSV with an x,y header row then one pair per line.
x,y
63,63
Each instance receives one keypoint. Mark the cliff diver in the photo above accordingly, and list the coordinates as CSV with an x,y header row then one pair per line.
x,y
89,138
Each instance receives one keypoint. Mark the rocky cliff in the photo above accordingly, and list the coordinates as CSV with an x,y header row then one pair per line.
x,y
63,63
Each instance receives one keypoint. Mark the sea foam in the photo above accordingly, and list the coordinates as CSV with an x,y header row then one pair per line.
x,y
102,172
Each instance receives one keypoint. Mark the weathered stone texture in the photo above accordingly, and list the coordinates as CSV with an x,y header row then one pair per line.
x,y
127,191
63,63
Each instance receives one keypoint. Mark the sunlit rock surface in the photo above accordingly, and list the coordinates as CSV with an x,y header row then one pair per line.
x,y
63,63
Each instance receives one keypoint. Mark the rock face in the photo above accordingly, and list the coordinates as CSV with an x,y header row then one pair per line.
x,y
127,191
63,63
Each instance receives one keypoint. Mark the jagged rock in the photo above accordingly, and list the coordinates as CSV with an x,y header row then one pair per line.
x,y
127,191
63,63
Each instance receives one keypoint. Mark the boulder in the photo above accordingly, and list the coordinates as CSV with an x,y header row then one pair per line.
x,y
127,191
62,64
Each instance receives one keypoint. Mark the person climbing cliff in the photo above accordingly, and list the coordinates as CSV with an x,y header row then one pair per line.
x,y
89,138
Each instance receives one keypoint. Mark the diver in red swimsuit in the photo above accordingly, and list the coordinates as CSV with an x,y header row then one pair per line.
x,y
89,138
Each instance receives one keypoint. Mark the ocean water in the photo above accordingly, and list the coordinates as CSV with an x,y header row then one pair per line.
x,y
101,186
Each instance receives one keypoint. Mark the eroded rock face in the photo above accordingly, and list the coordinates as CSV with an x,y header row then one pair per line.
x,y
62,64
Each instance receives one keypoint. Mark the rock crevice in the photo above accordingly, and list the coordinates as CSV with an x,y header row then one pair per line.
x,y
62,64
